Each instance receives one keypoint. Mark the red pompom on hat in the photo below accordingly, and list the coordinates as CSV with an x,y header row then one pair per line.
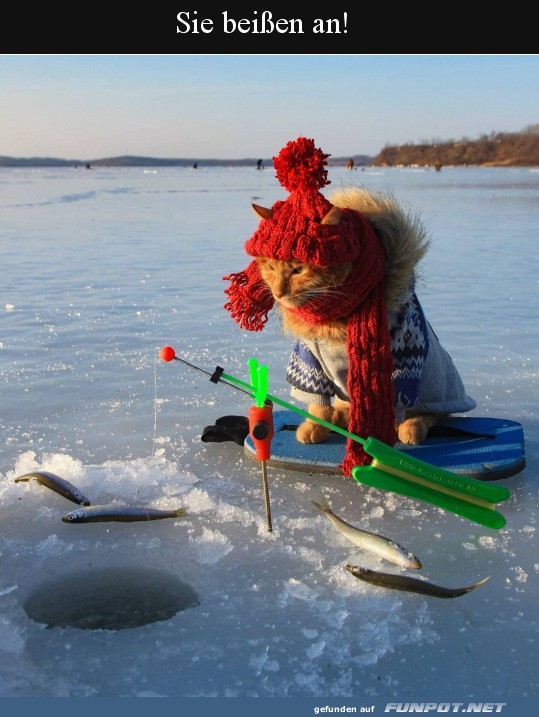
x,y
298,229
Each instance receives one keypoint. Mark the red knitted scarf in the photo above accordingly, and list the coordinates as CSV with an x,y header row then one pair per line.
x,y
372,411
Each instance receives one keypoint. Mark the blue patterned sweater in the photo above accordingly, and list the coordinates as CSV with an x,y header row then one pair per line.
x,y
424,376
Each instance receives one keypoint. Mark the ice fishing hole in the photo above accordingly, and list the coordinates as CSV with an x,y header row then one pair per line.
x,y
109,599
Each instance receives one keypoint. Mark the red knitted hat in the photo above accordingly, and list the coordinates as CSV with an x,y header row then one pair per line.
x,y
295,229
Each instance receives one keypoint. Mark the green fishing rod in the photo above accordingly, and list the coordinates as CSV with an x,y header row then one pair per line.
x,y
394,470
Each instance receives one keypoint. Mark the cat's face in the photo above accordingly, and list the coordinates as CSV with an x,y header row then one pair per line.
x,y
294,284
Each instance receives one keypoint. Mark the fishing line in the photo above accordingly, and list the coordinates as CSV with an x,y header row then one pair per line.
x,y
154,403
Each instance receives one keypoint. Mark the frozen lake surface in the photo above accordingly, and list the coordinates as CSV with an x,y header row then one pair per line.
x,y
103,267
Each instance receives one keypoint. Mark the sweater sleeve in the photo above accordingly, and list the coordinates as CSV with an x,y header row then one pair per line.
x,y
309,382
409,345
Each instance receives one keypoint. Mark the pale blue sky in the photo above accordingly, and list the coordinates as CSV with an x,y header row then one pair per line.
x,y
234,106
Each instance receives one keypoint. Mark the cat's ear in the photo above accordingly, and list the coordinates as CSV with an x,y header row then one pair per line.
x,y
262,212
332,218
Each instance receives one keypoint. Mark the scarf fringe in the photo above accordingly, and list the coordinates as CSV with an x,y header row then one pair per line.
x,y
250,300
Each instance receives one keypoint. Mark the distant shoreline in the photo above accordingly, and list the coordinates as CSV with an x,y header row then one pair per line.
x,y
51,163
516,149
133,161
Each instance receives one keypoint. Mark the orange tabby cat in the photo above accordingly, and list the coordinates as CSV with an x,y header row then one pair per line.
x,y
341,270
294,284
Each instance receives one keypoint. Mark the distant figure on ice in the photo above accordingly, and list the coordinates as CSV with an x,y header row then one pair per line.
x,y
350,164
195,165
260,164
438,165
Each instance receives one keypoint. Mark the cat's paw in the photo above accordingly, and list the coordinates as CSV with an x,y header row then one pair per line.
x,y
414,430
339,413
310,432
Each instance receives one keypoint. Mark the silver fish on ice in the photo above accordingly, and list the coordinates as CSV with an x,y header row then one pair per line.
x,y
383,547
120,514
409,584
57,484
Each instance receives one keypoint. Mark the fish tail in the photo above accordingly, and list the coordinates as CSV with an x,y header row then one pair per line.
x,y
481,582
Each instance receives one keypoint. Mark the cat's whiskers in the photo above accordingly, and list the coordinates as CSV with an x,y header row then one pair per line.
x,y
311,295
267,292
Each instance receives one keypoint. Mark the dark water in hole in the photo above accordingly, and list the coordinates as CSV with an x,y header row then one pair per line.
x,y
110,599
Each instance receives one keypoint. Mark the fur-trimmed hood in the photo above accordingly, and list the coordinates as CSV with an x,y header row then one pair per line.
x,y
401,234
